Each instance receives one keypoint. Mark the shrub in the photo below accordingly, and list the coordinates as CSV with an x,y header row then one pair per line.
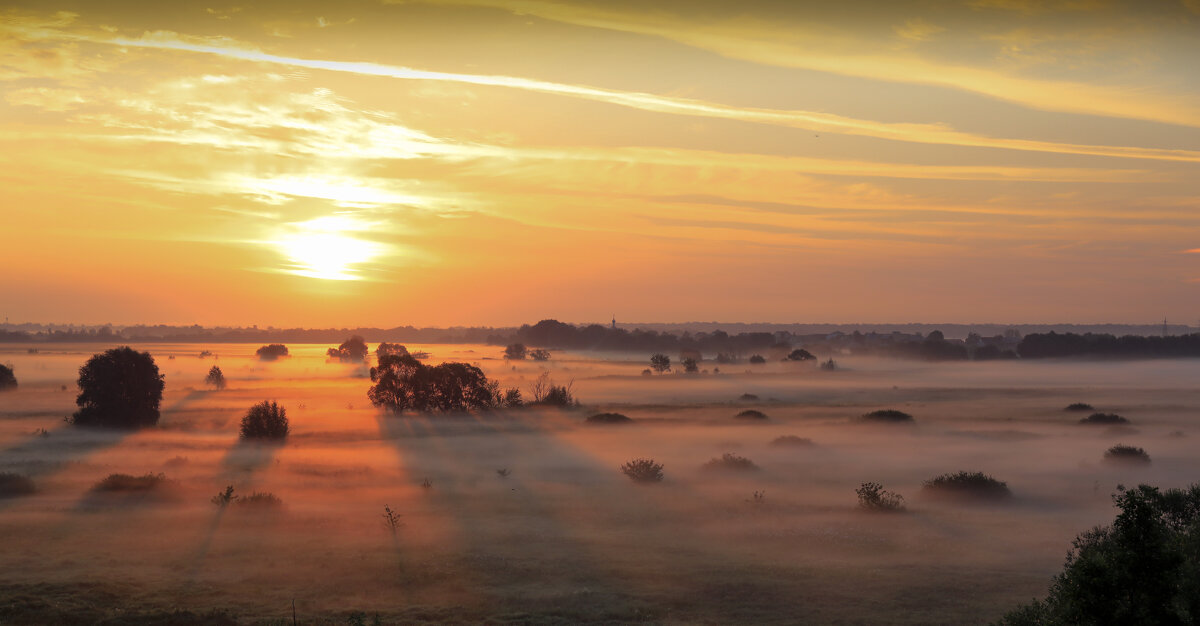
x,y
272,352
609,418
643,471
690,366
116,483
800,354
538,354
215,378
389,349
261,500
7,379
887,416
1122,454
265,420
352,350
748,397
966,485
792,441
515,352
1104,419
512,398
757,359
873,497
829,366
660,362
13,485
1141,569
120,388
751,414
402,383
546,393
391,520
1079,406
224,498
730,462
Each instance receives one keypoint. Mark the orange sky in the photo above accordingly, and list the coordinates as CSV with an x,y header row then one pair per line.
x,y
490,162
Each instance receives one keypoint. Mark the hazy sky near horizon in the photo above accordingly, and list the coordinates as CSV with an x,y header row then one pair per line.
x,y
493,162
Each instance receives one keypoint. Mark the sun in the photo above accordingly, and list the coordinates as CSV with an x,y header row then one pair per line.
x,y
324,248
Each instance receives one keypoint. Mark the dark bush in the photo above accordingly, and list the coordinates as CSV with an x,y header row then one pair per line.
x,y
402,383
512,398
1144,568
7,379
546,393
748,397
1079,406
352,350
829,366
966,486
272,352
643,471
873,497
515,352
757,359
609,418
660,363
751,414
116,483
120,388
538,354
887,416
13,485
265,420
690,366
215,378
800,354
389,349
260,500
792,440
1129,455
1104,419
730,462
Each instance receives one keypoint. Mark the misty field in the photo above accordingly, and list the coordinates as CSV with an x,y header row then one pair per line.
x,y
525,516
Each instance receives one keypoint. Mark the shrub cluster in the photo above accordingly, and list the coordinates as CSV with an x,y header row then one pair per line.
x,y
115,483
751,414
792,441
1104,419
887,416
13,485
643,471
1079,406
272,352
967,485
609,418
352,350
1123,454
402,383
873,497
265,420
730,462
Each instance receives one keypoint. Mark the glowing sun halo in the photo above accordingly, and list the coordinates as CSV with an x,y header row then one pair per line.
x,y
321,248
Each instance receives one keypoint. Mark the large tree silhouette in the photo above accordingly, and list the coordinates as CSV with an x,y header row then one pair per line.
x,y
120,388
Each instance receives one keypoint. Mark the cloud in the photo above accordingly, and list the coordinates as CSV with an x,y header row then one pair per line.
x,y
917,29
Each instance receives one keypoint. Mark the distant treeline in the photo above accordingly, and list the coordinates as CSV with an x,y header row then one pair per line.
x,y
1052,345
199,334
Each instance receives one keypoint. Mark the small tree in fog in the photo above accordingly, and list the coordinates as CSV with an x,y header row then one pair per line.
x,y
690,366
352,350
402,383
643,471
757,359
660,363
265,420
538,354
120,388
800,354
515,352
7,379
389,349
215,378
873,497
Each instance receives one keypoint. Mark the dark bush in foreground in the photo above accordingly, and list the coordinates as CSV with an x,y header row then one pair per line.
x,y
265,420
792,441
1122,454
643,471
13,485
118,483
887,416
609,418
1079,406
1104,419
1144,568
120,388
271,352
966,485
8,380
873,497
751,414
730,462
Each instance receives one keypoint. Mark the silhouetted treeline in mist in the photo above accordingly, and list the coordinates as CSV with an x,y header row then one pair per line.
x,y
1050,345
200,334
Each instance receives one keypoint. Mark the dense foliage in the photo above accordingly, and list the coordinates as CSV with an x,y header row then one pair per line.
x,y
215,378
1104,419
1144,568
643,471
8,380
873,497
888,416
265,420
272,352
609,418
1123,454
967,485
402,383
515,352
120,388
1049,345
352,350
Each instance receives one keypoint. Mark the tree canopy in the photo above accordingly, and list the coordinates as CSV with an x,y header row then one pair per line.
x,y
352,350
272,352
120,388
8,380
402,383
